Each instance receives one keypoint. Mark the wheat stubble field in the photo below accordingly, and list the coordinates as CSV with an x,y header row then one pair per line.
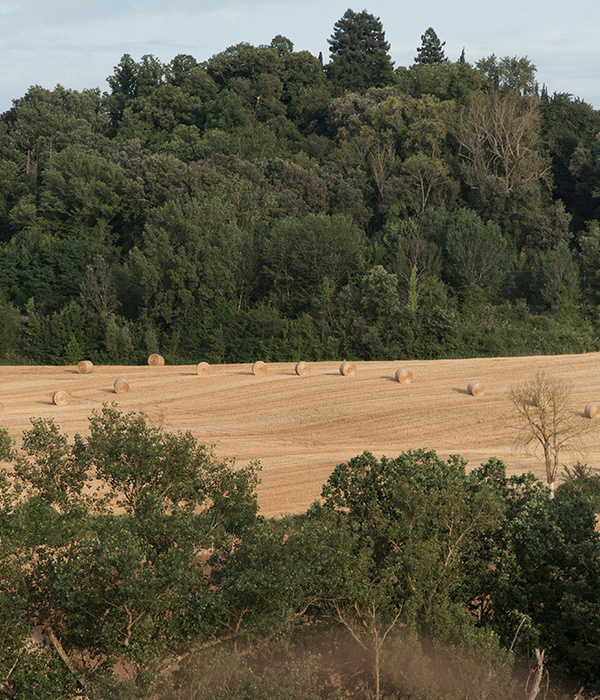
x,y
300,427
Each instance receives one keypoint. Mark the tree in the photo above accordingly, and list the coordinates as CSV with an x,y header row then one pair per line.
x,y
541,589
509,74
104,589
359,53
547,421
425,169
188,257
301,253
431,49
476,251
559,278
584,168
42,121
246,61
416,522
131,80
189,75
98,293
499,145
153,118
305,93
81,192
498,139
413,257
570,128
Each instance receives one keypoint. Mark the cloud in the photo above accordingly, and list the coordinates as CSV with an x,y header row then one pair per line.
x,y
231,16
7,9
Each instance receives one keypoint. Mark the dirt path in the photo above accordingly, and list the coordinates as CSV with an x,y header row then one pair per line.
x,y
299,428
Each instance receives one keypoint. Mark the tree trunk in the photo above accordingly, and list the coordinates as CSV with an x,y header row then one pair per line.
x,y
537,679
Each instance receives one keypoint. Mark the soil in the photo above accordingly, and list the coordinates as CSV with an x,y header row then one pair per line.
x,y
300,427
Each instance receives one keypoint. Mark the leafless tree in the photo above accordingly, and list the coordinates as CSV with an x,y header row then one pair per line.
x,y
498,141
547,421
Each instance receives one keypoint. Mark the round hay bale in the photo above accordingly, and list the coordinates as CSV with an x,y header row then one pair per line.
x,y
60,398
121,386
85,367
202,368
302,369
592,410
403,375
475,388
156,360
347,369
259,368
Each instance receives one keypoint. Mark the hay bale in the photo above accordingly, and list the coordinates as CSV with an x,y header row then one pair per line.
x,y
592,410
259,368
302,369
475,388
202,368
85,367
60,398
347,369
156,360
403,375
121,386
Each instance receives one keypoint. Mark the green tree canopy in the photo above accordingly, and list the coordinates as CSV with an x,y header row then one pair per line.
x,y
359,53
188,257
510,73
300,254
476,251
431,49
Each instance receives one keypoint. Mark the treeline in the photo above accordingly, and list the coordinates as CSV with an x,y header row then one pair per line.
x,y
263,204
411,579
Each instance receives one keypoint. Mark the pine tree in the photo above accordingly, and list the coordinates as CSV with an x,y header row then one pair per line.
x,y
359,53
431,49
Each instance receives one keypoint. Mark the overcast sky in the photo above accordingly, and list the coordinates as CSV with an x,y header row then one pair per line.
x,y
77,43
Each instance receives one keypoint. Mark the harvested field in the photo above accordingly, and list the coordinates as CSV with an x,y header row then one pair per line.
x,y
300,428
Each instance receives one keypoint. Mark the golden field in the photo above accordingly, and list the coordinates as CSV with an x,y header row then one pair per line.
x,y
300,427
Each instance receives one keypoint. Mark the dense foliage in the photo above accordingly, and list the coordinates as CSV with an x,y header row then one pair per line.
x,y
133,564
263,204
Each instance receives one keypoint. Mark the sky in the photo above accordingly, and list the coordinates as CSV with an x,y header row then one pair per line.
x,y
77,43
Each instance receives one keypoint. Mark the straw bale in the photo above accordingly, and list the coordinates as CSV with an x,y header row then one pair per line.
x,y
475,388
592,410
121,386
259,368
302,369
85,367
203,368
347,369
403,375
60,398
156,360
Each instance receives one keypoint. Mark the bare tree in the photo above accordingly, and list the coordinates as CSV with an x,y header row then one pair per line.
x,y
364,625
538,675
499,143
547,421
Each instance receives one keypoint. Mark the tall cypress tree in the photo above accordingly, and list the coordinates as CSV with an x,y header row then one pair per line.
x,y
431,49
359,53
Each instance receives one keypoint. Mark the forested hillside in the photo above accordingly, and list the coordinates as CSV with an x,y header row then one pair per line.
x,y
269,203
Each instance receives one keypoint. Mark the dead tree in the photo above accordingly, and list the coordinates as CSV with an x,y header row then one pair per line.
x,y
548,423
